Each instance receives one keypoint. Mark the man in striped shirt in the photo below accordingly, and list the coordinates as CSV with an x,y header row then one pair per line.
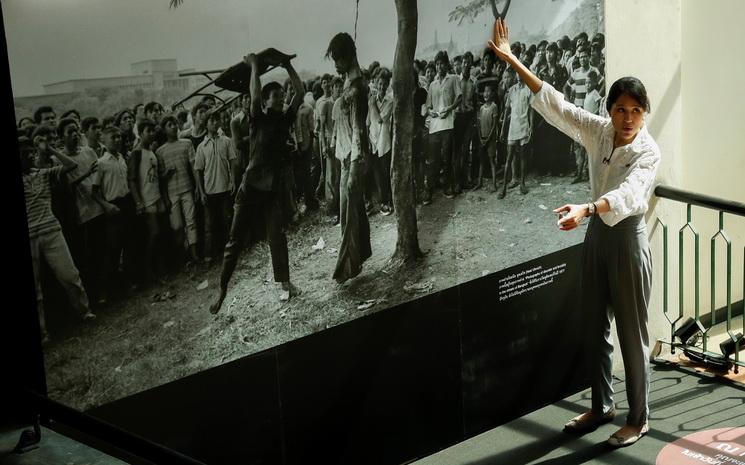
x,y
576,88
175,159
45,235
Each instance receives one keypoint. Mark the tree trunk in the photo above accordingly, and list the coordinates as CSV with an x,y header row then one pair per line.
x,y
402,183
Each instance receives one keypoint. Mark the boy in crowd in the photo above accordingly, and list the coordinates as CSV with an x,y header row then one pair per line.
x,y
381,134
464,122
593,97
240,131
91,210
520,125
419,144
92,132
175,159
303,159
443,98
333,165
323,128
150,198
458,65
154,112
209,101
488,76
551,145
217,173
45,235
261,191
488,129
111,179
198,130
45,136
72,114
576,86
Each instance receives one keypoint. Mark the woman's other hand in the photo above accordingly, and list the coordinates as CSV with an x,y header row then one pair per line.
x,y
573,216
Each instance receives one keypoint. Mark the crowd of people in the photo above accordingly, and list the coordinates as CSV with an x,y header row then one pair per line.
x,y
131,197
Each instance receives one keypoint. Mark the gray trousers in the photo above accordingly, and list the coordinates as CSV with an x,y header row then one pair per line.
x,y
616,281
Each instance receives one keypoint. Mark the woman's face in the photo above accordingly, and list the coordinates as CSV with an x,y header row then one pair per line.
x,y
627,116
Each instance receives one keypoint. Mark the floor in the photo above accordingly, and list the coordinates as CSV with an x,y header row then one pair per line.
x,y
681,402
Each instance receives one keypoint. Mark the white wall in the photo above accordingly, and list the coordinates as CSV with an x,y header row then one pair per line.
x,y
713,134
643,39
686,53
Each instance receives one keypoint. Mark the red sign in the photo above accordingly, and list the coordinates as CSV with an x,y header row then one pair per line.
x,y
723,446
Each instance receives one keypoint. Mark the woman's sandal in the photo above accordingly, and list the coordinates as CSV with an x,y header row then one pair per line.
x,y
589,422
620,441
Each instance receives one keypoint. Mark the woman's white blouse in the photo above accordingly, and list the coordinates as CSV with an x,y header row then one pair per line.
x,y
624,176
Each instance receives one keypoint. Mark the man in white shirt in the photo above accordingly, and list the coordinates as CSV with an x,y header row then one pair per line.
x,y
218,177
111,179
443,98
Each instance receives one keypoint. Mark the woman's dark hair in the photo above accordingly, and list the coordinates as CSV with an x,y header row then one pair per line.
x,y
630,86
342,46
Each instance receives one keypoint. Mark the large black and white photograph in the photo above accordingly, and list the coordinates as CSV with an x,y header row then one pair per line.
x,y
206,180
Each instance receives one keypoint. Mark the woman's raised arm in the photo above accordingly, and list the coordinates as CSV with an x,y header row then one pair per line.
x,y
500,44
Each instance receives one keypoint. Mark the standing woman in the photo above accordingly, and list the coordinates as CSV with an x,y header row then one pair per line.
x,y
355,229
616,260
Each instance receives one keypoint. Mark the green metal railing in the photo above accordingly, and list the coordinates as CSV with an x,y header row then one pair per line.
x,y
722,207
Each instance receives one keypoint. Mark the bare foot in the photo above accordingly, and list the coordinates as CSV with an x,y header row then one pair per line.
x,y
215,307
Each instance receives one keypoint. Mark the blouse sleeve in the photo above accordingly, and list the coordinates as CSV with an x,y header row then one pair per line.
x,y
631,197
575,122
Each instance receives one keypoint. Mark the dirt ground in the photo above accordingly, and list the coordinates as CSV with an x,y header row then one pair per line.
x,y
140,343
